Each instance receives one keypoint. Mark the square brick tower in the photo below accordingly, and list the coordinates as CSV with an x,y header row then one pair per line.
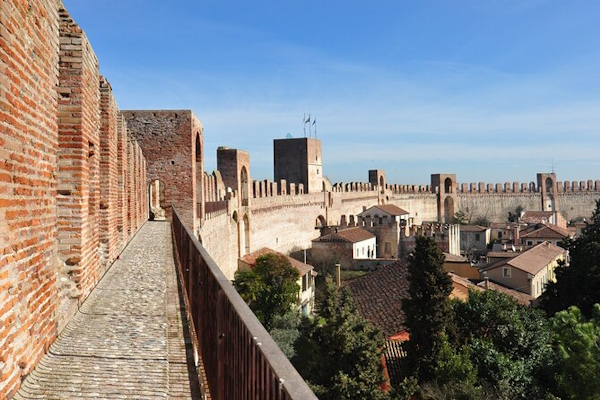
x,y
299,160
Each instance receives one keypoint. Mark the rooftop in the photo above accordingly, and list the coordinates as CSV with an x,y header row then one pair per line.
x,y
351,235
389,209
250,259
533,260
379,296
548,232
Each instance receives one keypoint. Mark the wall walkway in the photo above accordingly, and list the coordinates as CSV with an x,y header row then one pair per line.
x,y
129,340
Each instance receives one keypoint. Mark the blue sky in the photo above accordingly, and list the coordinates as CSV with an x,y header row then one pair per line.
x,y
492,90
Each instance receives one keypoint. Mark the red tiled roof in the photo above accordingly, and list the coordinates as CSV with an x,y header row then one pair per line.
x,y
351,235
454,258
389,209
473,228
250,259
379,295
532,260
548,231
537,216
392,209
522,298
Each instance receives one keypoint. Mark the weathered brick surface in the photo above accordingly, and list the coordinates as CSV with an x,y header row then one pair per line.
x,y
109,212
55,197
78,168
168,140
28,151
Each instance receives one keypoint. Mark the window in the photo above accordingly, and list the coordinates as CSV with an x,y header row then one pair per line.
x,y
477,237
506,272
530,243
499,235
304,282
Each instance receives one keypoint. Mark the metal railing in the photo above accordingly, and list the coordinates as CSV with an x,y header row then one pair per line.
x,y
240,358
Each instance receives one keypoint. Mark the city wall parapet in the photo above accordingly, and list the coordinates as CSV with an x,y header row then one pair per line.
x,y
72,186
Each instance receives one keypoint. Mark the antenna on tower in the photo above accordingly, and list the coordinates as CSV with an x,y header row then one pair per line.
x,y
552,165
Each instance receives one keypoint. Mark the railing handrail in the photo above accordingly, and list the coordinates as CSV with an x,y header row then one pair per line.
x,y
290,384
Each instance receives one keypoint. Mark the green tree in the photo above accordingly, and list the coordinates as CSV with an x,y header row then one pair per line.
x,y
578,346
460,217
577,284
513,216
510,344
339,352
270,288
427,309
284,331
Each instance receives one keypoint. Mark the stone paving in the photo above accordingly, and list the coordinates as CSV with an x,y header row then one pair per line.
x,y
129,339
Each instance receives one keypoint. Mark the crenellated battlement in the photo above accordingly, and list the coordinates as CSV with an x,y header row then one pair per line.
x,y
531,187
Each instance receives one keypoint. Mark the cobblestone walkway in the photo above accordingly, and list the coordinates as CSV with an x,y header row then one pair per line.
x,y
129,339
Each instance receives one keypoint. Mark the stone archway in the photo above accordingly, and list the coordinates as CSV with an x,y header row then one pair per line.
x,y
320,222
448,185
448,209
156,200
245,186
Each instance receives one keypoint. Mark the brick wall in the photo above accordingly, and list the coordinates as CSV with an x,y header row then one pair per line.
x,y
28,151
168,140
78,167
109,180
64,184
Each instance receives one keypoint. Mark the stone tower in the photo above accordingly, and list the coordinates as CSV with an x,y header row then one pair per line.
x,y
548,188
234,166
298,160
446,195
377,179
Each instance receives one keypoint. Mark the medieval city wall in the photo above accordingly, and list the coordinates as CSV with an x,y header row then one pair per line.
x,y
168,141
285,223
64,195
219,236
493,201
28,157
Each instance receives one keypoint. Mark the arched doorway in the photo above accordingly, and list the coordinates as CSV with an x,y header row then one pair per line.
x,y
448,185
448,209
156,200
320,222
245,229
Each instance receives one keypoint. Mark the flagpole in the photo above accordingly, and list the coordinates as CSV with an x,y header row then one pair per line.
x,y
304,124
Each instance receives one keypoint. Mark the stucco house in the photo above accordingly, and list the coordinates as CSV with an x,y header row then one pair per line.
x,y
474,240
529,271
546,233
306,282
386,221
345,245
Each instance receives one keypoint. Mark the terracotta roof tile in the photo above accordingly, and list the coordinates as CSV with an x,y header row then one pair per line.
x,y
379,295
473,228
532,260
537,216
250,259
389,209
351,235
522,298
548,231
454,258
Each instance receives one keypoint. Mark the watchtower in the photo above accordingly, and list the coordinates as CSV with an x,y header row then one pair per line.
x,y
548,188
446,195
299,160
